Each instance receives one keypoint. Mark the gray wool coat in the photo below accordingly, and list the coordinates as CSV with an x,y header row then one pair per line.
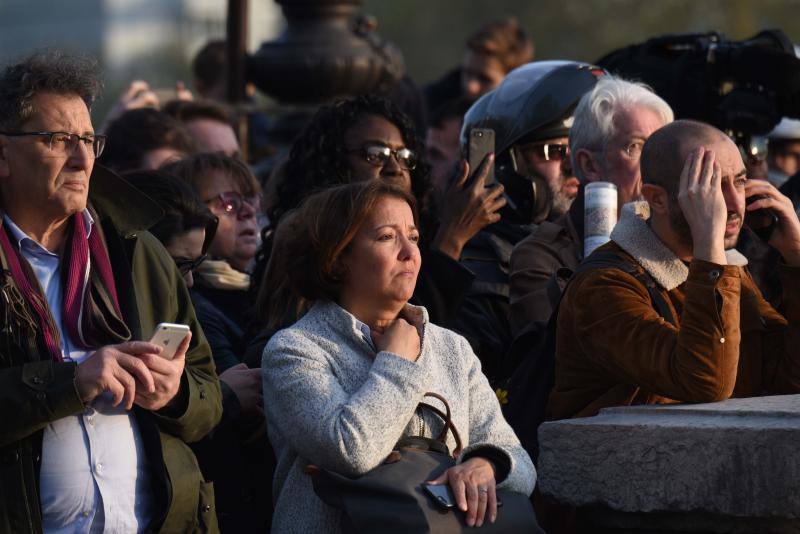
x,y
333,402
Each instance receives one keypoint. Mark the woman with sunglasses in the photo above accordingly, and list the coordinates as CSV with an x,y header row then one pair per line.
x,y
188,231
361,139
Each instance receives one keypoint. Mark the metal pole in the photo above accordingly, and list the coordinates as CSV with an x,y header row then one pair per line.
x,y
237,68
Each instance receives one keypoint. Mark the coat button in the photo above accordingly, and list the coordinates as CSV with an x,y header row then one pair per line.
x,y
722,340
202,394
714,274
37,380
207,508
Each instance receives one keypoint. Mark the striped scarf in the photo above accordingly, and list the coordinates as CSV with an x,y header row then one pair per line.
x,y
90,305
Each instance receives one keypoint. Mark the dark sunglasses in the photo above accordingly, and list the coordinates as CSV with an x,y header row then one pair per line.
x,y
186,266
547,151
378,155
232,202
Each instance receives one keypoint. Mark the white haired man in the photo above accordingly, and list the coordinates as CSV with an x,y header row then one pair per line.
x,y
612,123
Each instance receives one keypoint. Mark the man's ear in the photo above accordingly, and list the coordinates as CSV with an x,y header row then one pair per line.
x,y
588,166
657,197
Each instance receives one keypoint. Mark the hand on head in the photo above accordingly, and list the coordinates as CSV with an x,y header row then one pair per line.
x,y
703,205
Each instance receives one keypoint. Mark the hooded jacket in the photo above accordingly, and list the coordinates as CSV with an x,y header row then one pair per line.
x,y
35,390
614,349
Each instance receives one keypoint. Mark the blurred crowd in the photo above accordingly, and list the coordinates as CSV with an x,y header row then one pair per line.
x,y
529,240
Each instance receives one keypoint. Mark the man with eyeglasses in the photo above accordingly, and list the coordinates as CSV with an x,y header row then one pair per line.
x,y
93,421
611,124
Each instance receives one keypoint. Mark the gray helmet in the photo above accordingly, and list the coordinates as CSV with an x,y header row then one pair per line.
x,y
535,101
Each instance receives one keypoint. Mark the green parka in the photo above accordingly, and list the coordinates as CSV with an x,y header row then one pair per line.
x,y
34,390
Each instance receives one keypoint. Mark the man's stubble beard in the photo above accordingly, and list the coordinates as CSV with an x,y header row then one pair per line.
x,y
682,229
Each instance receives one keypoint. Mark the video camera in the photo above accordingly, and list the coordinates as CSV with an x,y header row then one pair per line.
x,y
741,87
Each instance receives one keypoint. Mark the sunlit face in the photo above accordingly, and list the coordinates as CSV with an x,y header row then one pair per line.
x,y
213,136
376,130
34,180
734,177
187,247
554,167
480,73
236,239
622,152
382,262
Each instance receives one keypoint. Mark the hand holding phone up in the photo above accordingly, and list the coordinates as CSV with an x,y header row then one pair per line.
x,y
785,233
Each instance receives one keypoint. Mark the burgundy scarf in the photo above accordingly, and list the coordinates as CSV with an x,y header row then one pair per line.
x,y
83,256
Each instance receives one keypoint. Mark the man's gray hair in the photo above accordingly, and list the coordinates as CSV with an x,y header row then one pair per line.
x,y
44,72
593,124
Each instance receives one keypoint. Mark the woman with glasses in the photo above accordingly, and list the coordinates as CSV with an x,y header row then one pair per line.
x,y
188,231
361,139
232,193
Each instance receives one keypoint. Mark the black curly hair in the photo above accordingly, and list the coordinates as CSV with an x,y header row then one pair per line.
x,y
317,158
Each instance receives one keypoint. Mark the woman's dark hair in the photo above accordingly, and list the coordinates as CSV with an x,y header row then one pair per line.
x,y
183,209
318,159
199,170
305,264
139,131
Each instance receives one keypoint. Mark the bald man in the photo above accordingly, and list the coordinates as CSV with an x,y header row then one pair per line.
x,y
703,332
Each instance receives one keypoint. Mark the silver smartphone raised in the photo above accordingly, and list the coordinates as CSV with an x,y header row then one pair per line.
x,y
168,336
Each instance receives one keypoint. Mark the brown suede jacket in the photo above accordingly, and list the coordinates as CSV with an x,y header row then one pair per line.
x,y
614,349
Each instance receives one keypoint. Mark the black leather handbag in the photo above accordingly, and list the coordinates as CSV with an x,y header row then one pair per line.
x,y
391,499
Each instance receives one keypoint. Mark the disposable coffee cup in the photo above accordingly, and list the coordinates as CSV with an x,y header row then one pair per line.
x,y
599,214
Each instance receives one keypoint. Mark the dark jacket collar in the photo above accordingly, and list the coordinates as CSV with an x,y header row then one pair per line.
x,y
116,199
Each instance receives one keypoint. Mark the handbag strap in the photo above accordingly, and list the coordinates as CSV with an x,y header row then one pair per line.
x,y
448,422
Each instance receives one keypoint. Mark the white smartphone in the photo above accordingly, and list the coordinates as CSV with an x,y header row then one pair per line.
x,y
168,336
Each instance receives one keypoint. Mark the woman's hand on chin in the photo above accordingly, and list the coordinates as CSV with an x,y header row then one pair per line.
x,y
473,486
400,338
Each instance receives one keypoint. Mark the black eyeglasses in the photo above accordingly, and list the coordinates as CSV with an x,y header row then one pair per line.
x,y
63,144
186,266
378,155
232,202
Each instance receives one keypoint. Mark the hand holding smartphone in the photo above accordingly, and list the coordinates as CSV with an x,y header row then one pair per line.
x,y
168,336
481,144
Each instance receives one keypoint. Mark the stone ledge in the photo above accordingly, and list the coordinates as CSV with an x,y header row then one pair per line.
x,y
735,458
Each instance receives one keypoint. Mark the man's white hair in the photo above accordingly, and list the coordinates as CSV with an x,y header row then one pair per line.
x,y
593,124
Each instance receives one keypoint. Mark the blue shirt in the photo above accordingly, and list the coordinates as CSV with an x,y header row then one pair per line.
x,y
94,475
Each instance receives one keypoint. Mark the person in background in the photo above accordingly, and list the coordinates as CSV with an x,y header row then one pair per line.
x,y
531,115
220,292
142,139
94,422
234,457
784,151
489,55
342,385
612,123
208,123
443,144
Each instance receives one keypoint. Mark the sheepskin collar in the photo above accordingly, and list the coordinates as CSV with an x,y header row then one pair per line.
x,y
634,236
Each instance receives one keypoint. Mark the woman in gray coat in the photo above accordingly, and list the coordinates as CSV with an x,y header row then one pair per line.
x,y
342,385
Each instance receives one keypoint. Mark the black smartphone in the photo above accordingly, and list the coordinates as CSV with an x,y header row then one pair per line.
x,y
481,143
762,222
441,495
